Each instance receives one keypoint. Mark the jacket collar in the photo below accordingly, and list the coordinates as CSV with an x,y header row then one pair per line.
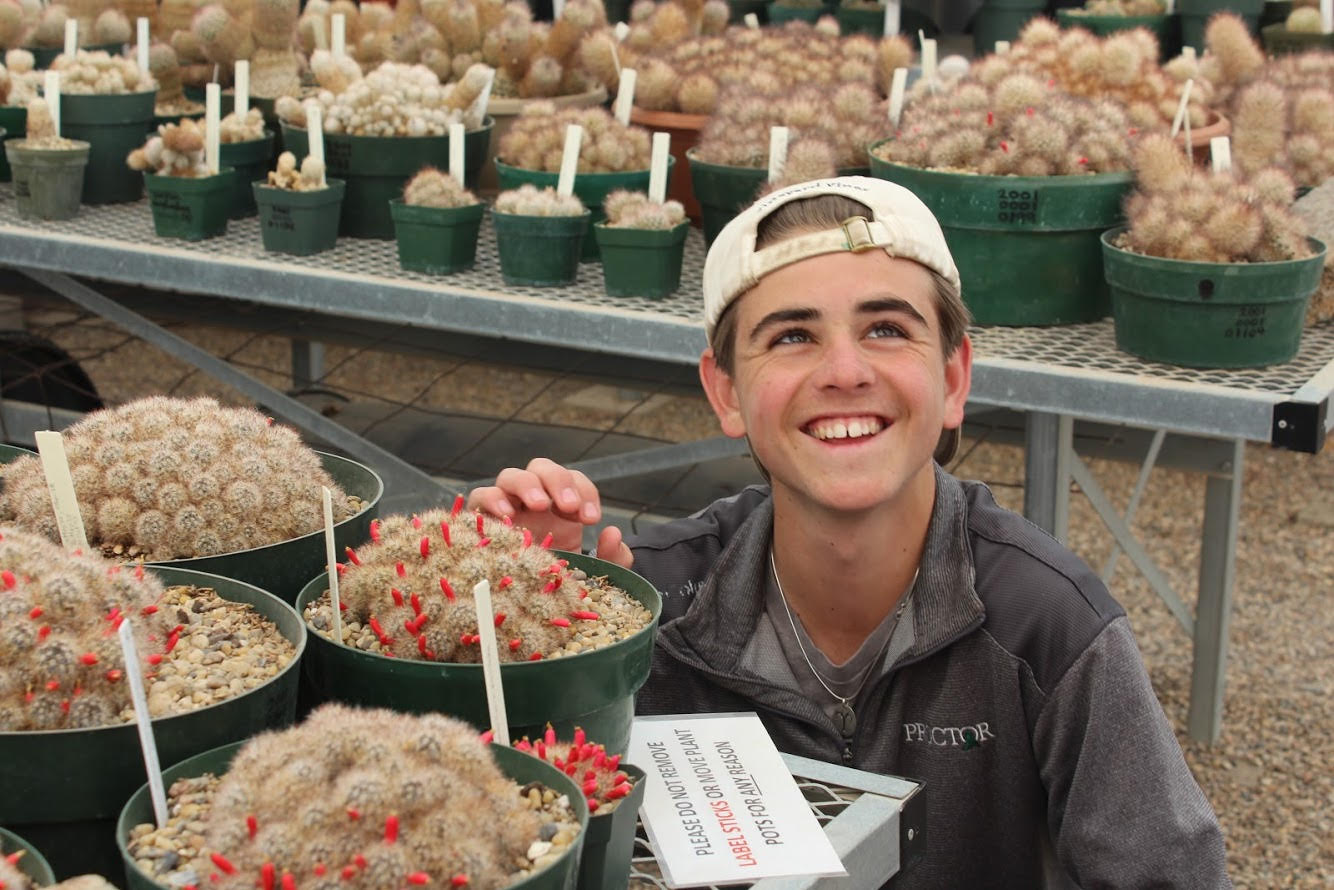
x,y
727,608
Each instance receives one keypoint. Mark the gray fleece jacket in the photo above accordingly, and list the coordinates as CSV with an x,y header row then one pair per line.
x,y
1022,703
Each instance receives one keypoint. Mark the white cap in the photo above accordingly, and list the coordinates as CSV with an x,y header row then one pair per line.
x,y
900,224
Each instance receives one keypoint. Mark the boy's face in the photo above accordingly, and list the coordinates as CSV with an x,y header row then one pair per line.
x,y
840,379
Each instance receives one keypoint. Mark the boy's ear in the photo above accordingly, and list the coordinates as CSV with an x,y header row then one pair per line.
x,y
721,392
958,382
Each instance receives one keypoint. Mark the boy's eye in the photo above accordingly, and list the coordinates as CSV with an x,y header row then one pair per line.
x,y
795,335
887,329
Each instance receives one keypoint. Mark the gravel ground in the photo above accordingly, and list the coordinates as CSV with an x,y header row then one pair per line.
x,y
1270,776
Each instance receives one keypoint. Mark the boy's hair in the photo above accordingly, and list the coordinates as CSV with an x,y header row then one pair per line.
x,y
829,212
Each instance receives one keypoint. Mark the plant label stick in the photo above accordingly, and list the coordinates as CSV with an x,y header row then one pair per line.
x,y
339,35
321,35
51,90
71,37
456,169
141,43
893,17
657,171
331,558
1002,47
1188,52
495,691
212,118
1181,106
1170,8
557,9
928,58
569,159
315,134
1327,16
752,21
625,95
777,152
897,87
1220,152
622,29
51,449
135,677
484,97
241,104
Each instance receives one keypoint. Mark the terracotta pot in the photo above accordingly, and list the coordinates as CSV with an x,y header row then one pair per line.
x,y
684,130
1216,125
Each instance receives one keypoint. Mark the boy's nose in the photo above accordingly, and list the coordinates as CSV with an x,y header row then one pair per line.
x,y
844,365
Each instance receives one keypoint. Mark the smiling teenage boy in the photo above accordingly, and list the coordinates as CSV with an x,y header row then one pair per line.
x,y
874,610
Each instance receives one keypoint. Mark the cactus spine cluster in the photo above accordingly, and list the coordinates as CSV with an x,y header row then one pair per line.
x,y
101,73
262,31
432,188
1020,126
42,128
1304,18
413,585
180,478
844,121
536,140
634,210
597,773
368,800
1183,213
61,664
242,128
529,200
286,175
176,150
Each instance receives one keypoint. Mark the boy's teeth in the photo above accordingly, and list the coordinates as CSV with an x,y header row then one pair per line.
x,y
852,429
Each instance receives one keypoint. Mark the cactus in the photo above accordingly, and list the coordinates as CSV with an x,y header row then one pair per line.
x,y
234,128
536,139
111,26
598,774
393,100
1121,7
431,188
1182,213
177,150
413,585
634,210
12,23
376,798
61,666
285,174
180,478
101,73
528,200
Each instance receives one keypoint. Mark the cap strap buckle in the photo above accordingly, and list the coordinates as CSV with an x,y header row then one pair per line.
x,y
858,233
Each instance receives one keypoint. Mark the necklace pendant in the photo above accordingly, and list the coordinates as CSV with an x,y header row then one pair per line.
x,y
845,719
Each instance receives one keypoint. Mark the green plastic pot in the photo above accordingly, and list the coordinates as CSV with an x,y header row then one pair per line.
x,y
723,191
1167,28
779,12
376,168
32,863
63,788
590,188
251,160
1002,20
188,207
43,56
738,9
641,262
594,690
299,223
1275,11
283,568
519,767
1026,247
1279,41
1209,315
863,20
9,453
14,121
542,251
1195,14
436,240
114,126
48,182
609,843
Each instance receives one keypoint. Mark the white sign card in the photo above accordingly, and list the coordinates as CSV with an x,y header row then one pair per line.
x,y
720,805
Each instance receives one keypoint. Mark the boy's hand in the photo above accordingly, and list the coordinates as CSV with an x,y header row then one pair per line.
x,y
546,497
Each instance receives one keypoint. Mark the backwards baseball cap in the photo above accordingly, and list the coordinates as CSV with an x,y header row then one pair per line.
x,y
900,224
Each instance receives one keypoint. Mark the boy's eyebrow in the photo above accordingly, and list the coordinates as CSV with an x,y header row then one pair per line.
x,y
866,307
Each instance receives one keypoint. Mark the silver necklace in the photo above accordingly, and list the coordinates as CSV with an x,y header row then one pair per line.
x,y
844,716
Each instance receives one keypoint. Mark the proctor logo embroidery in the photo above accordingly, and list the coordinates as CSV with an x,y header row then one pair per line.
x,y
965,737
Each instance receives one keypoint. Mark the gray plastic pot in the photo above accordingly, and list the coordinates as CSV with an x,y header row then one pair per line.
x,y
48,182
32,863
63,788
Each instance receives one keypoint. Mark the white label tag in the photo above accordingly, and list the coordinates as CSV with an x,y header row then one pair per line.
x,y
777,152
1220,153
720,805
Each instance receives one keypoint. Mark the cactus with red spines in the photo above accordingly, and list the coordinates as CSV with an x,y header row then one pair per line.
x,y
61,664
597,773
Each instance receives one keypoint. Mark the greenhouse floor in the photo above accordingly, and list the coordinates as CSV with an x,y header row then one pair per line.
x,y
1270,776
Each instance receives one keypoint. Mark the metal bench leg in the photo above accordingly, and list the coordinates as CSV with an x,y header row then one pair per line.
x,y
1213,613
1049,440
